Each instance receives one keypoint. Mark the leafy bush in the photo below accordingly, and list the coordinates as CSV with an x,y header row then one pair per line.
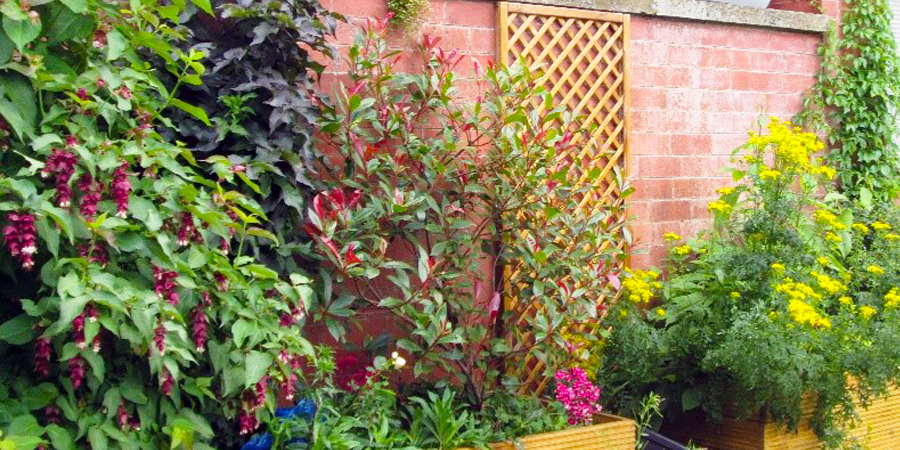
x,y
784,297
259,94
132,317
434,199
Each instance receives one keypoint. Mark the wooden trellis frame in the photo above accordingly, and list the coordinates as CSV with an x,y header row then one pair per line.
x,y
582,56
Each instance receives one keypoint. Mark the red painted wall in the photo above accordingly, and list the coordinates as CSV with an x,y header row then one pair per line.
x,y
697,88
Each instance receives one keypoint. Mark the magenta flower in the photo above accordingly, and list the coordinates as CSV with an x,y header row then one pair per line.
x,y
159,338
167,382
164,285
187,229
247,422
199,327
43,351
123,417
77,371
61,164
91,193
78,331
20,236
578,395
94,252
120,189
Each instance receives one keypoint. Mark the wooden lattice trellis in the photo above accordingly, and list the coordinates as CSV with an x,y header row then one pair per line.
x,y
581,56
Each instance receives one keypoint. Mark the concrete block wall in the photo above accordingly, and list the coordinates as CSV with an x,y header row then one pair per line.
x,y
697,88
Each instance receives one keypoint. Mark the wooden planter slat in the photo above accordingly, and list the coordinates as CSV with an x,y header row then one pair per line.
x,y
877,429
609,433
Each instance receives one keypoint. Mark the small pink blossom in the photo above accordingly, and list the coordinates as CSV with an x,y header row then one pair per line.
x,y
77,371
120,189
43,351
20,236
578,395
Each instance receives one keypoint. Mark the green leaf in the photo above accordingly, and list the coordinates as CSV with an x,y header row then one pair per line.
x,y
64,25
115,45
133,392
690,399
98,365
60,437
204,5
18,104
196,111
146,212
6,47
78,6
240,330
97,438
21,32
255,366
18,330
40,396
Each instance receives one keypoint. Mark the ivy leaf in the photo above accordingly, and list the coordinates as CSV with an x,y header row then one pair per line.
x,y
21,32
255,366
18,330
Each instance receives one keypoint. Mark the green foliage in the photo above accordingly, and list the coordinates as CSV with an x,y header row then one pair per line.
x,y
125,327
408,14
260,97
650,411
788,295
435,198
855,100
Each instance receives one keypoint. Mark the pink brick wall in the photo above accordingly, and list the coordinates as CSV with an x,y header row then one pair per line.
x,y
697,88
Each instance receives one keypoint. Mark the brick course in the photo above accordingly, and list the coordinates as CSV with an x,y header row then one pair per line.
x,y
697,88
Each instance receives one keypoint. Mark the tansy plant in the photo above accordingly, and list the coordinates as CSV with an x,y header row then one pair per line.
x,y
787,295
439,197
132,317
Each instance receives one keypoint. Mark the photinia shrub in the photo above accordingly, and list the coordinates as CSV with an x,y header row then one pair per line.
x,y
433,198
132,316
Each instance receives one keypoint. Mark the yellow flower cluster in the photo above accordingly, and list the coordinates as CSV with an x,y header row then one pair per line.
x,y
640,285
792,147
830,285
846,301
719,206
796,290
671,237
875,270
725,190
867,312
826,217
660,312
881,226
735,295
831,237
769,174
804,314
862,228
823,260
892,298
683,250
826,172
892,236
778,267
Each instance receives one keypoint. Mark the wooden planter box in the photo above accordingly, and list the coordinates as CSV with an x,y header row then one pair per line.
x,y
877,429
608,433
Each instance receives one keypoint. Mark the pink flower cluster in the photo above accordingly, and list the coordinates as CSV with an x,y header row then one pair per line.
x,y
61,164
159,337
289,384
200,323
168,381
91,193
77,371
578,395
43,351
253,400
164,285
21,238
94,252
188,232
120,189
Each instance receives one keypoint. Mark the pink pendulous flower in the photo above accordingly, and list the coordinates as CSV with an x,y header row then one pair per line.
x,y
289,385
187,229
98,40
164,285
123,417
199,328
167,382
94,252
20,236
78,332
61,165
91,194
52,414
43,352
82,94
247,422
120,189
159,338
77,371
578,395
259,392
221,282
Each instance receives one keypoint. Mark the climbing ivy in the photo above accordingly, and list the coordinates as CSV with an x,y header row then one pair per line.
x,y
854,101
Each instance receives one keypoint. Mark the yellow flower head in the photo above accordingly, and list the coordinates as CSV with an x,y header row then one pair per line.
x,y
826,172
881,226
660,312
892,236
875,270
778,267
861,228
769,174
719,206
831,237
671,237
845,300
830,285
640,285
735,295
623,313
823,260
892,298
825,217
725,190
683,250
804,314
867,312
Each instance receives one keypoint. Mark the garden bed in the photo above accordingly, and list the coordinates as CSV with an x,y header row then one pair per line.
x,y
878,428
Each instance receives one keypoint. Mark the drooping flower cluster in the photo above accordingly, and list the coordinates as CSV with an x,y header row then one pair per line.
x,y
168,382
159,338
200,322
120,189
20,236
77,371
94,252
640,284
578,395
78,331
61,165
164,285
188,232
42,354
91,193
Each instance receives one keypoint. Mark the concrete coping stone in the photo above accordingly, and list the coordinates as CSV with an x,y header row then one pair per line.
x,y
704,10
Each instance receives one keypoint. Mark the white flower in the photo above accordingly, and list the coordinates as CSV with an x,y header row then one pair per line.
x,y
397,360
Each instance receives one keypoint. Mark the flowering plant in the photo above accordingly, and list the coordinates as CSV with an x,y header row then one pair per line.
x,y
130,297
427,224
785,296
578,395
